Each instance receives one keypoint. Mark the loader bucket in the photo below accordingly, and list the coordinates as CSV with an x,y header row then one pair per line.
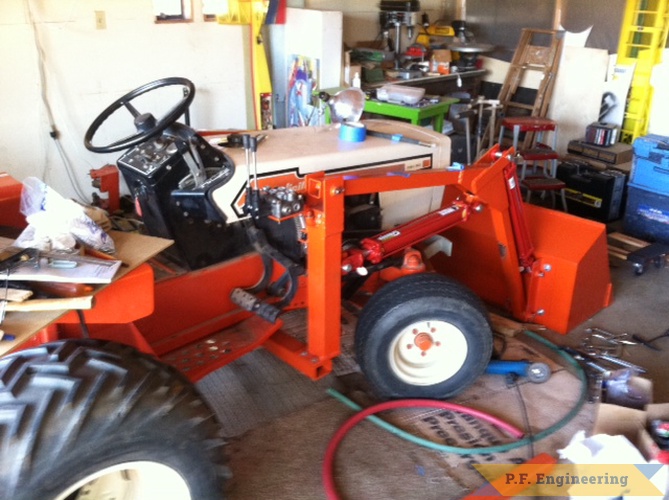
x,y
570,279
578,282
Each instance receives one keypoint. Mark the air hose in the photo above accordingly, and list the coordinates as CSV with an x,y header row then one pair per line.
x,y
328,462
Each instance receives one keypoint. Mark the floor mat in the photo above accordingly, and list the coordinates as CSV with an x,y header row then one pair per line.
x,y
258,388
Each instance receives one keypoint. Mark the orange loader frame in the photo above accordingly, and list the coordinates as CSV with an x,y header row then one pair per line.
x,y
539,265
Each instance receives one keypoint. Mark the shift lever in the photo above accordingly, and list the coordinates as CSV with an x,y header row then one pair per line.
x,y
253,146
250,144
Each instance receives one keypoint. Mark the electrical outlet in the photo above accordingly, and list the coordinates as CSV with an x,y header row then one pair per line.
x,y
100,20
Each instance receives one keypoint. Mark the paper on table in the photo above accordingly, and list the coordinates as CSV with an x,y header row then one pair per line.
x,y
87,271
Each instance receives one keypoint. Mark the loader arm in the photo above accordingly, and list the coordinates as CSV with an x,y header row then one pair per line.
x,y
484,187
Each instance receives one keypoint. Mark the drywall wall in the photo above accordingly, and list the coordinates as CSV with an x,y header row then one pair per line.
x,y
86,69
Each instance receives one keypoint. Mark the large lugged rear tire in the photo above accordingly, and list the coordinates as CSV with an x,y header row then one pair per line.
x,y
423,336
104,420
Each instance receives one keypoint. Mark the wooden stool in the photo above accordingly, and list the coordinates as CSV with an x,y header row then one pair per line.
x,y
538,152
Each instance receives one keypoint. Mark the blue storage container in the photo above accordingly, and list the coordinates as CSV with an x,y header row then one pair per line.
x,y
650,166
646,214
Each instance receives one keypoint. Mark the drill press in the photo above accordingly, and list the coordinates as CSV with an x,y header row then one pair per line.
x,y
395,14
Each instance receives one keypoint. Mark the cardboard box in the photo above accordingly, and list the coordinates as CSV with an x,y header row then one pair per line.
x,y
370,44
442,55
634,424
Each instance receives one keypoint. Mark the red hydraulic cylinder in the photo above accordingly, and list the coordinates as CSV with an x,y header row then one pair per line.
x,y
392,241
521,231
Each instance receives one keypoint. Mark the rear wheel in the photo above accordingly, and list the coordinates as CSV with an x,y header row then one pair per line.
x,y
423,336
88,419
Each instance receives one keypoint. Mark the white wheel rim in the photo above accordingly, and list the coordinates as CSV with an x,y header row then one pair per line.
x,y
131,480
428,352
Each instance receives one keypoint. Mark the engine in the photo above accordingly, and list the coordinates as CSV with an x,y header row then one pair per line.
x,y
280,216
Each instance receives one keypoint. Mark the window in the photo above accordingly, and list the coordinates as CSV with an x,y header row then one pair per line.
x,y
210,8
172,10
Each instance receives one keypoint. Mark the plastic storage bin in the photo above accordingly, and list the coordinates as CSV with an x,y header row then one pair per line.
x,y
646,214
400,94
650,168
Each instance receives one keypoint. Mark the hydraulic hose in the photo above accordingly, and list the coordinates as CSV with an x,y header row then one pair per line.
x,y
328,463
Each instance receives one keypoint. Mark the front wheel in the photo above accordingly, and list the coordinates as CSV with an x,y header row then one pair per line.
x,y
423,336
89,419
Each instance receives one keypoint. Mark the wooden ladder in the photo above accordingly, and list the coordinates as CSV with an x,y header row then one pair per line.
x,y
537,56
643,37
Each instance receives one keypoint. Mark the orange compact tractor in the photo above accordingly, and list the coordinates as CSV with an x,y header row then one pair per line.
x,y
269,231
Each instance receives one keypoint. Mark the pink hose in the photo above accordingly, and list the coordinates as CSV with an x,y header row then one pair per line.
x,y
328,461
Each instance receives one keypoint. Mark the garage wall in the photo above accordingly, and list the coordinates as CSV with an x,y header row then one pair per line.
x,y
361,17
86,69
499,22
605,17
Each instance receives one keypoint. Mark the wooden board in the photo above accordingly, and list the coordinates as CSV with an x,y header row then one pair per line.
x,y
621,245
577,93
131,248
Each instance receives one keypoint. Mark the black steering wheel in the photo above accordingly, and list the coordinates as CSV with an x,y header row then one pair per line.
x,y
146,124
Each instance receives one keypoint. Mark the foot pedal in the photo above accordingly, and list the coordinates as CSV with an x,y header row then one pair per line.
x,y
251,303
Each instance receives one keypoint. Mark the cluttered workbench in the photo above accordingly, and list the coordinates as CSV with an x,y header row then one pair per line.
x,y
465,81
416,114
441,57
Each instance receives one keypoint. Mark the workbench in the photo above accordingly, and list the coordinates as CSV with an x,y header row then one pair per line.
x,y
414,114
465,81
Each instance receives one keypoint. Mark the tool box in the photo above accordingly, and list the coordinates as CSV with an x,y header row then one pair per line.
x,y
613,155
647,210
650,167
646,214
591,193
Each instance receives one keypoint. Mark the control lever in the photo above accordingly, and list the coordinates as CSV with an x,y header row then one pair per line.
x,y
253,145
250,144
195,164
247,157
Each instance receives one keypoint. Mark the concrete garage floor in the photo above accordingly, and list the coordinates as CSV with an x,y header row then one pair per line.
x,y
279,423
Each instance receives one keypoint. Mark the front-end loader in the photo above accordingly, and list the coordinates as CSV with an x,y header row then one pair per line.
x,y
268,227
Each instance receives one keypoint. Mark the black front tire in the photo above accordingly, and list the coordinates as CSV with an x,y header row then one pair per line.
x,y
423,336
72,409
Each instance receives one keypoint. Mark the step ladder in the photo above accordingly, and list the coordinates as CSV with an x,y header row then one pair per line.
x,y
537,58
643,37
